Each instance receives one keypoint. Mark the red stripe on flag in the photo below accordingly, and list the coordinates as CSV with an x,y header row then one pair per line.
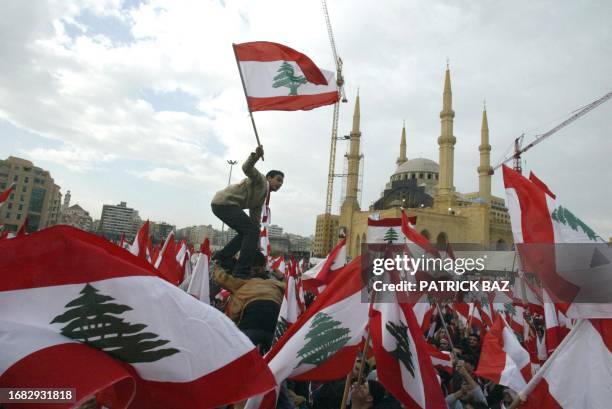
x,y
71,365
26,253
240,379
292,103
386,222
265,51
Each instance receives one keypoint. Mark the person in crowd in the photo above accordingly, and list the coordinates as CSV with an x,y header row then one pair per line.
x,y
254,303
252,193
372,395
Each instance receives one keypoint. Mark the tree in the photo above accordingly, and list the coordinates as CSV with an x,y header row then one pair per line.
x,y
325,338
563,215
402,351
281,327
286,78
92,319
390,235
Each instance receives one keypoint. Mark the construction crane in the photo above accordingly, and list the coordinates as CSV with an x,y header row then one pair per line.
x,y
334,133
519,149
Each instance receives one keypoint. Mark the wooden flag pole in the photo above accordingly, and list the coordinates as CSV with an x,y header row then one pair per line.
x,y
246,96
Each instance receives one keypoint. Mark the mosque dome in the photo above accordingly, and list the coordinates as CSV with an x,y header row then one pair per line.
x,y
418,165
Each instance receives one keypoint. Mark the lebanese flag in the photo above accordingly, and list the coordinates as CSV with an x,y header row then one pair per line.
x,y
571,260
403,361
388,230
4,196
280,78
440,359
554,323
319,276
524,292
278,264
264,243
323,343
502,359
290,309
139,247
423,311
199,285
578,374
62,285
413,236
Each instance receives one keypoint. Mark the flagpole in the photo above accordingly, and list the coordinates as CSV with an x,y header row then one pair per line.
x,y
363,359
246,96
450,341
522,396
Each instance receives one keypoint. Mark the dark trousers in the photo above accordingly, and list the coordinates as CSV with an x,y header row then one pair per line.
x,y
246,241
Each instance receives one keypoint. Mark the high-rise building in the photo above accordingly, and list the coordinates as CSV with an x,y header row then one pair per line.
x,y
35,197
275,231
117,220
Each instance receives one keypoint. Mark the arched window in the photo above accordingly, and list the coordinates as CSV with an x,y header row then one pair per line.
x,y
426,234
442,241
501,244
358,246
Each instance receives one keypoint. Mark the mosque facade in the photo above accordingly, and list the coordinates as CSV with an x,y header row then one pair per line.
x,y
424,189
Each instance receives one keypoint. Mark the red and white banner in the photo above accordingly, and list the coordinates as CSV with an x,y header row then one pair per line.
x,y
321,274
62,285
323,343
403,360
199,285
502,359
280,78
578,374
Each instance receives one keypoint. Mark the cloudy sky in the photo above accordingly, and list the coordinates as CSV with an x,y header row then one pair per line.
x,y
140,101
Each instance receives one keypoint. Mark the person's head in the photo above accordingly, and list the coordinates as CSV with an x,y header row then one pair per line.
x,y
470,362
444,344
357,366
473,341
275,179
258,266
508,395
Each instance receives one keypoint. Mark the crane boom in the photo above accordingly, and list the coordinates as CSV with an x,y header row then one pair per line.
x,y
518,150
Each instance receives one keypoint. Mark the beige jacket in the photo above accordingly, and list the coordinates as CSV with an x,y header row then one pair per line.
x,y
250,193
245,291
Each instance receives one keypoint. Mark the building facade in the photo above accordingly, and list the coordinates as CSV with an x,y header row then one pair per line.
x,y
118,220
77,217
35,197
426,190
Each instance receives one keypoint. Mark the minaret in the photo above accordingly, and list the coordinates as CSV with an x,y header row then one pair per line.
x,y
350,205
353,157
446,141
66,201
484,170
402,156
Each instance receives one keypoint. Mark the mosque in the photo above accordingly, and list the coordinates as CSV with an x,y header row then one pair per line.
x,y
425,189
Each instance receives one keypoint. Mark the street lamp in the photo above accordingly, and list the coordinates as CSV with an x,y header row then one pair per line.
x,y
229,180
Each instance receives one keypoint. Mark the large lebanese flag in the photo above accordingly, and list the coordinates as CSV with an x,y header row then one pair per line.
x,y
280,78
62,285
578,374
403,359
502,359
571,260
323,343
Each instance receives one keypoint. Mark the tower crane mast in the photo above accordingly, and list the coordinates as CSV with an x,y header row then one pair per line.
x,y
336,115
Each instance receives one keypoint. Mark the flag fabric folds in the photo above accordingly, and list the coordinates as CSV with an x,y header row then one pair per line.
x,y
68,293
277,77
